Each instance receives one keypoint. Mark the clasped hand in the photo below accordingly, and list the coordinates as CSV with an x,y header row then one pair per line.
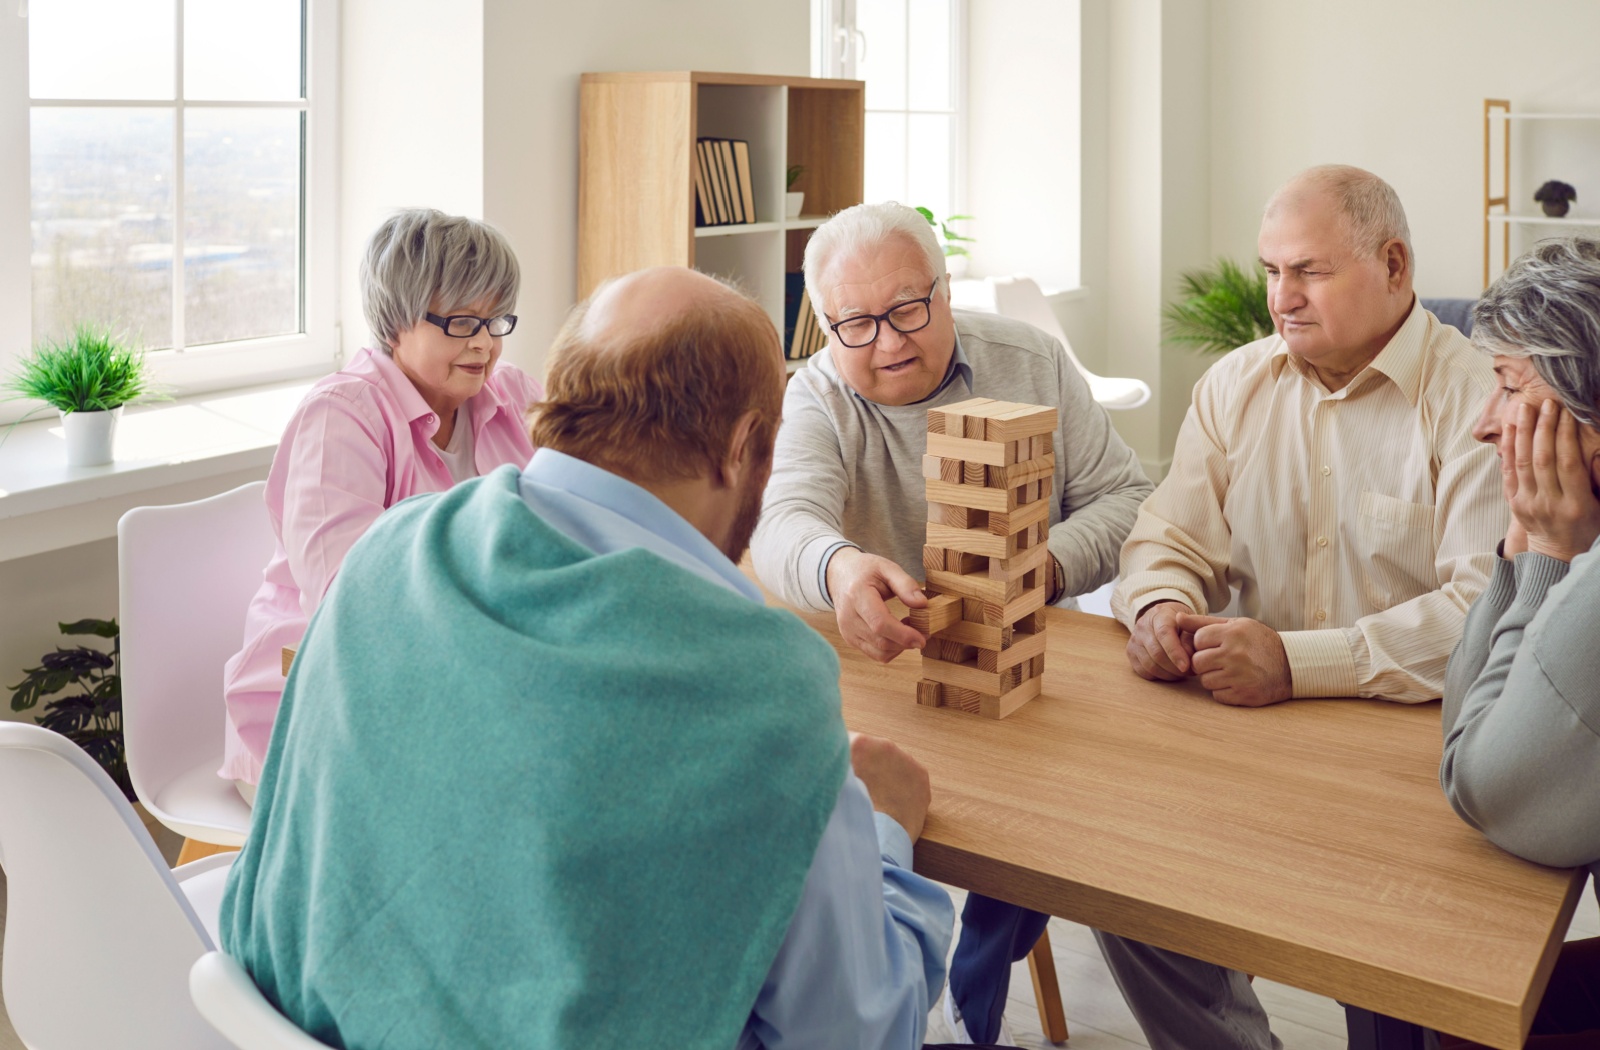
x,y
1547,484
1240,660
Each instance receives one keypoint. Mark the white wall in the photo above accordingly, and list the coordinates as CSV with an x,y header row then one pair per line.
x,y
411,123
533,55
1025,176
1398,88
36,593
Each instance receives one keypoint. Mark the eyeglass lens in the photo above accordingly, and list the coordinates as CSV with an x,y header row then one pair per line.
x,y
911,317
463,327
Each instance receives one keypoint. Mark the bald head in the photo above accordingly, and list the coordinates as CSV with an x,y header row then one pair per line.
x,y
651,374
1368,207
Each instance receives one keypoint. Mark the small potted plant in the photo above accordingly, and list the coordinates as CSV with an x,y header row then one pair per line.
x,y
91,716
955,254
793,199
1555,197
1220,308
87,377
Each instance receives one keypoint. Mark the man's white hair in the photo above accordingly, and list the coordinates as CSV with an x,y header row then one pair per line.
x,y
864,228
1371,208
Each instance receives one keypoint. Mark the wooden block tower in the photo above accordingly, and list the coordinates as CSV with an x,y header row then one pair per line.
x,y
988,474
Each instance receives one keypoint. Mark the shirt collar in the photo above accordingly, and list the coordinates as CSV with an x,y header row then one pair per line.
x,y
637,505
959,366
1400,360
480,406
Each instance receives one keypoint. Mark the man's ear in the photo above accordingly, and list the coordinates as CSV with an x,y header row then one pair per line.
x,y
1396,261
741,456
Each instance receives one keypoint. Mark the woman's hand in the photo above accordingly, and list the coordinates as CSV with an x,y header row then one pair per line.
x,y
1547,483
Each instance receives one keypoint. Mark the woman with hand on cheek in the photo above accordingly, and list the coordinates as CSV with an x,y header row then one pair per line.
x,y
1522,697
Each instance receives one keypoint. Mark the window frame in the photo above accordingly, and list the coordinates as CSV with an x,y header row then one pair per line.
x,y
217,366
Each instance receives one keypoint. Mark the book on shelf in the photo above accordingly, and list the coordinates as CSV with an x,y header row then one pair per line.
x,y
724,187
804,334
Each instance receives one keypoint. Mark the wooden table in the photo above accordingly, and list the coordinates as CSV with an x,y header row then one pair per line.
x,y
1307,842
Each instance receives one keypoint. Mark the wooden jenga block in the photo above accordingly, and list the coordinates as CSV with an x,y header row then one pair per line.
x,y
976,585
968,700
992,453
935,422
1005,477
988,660
931,468
1006,704
1005,523
1018,567
933,559
974,474
994,614
962,562
1036,665
1033,623
942,610
951,516
967,676
929,693
949,651
950,472
978,635
974,428
978,497
973,541
1022,421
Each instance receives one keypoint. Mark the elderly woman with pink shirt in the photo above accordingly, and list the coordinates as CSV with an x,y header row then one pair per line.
x,y
429,407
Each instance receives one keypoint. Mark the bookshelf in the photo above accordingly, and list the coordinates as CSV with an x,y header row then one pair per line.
x,y
636,136
1497,114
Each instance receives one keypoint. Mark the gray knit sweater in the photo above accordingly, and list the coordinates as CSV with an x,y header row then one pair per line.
x,y
1522,711
850,470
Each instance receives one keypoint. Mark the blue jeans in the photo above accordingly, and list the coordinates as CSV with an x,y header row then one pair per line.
x,y
994,935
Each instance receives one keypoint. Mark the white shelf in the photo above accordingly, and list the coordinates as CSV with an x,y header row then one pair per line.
x,y
1545,220
804,222
1545,116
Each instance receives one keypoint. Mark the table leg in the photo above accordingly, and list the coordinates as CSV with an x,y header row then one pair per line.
x,y
1370,1031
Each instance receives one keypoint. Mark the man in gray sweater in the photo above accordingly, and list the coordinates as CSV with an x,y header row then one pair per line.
x,y
1522,694
844,519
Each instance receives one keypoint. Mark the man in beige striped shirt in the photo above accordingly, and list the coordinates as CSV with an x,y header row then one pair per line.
x,y
1327,497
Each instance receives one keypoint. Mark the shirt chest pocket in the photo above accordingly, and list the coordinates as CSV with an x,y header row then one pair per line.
x,y
1394,541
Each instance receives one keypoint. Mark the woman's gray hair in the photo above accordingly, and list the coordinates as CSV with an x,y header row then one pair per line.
x,y
421,256
866,227
1546,307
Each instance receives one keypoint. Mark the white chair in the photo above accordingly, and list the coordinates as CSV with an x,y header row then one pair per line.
x,y
92,909
227,997
1020,298
187,573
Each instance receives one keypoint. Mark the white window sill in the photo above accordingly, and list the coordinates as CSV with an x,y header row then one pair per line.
x,y
165,453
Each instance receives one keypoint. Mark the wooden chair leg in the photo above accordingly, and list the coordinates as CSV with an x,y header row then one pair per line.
x,y
194,849
1047,990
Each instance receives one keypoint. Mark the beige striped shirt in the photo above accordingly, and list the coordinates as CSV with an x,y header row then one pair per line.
x,y
1360,524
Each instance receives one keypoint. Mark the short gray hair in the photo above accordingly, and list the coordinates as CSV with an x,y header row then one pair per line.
x,y
421,255
866,227
1372,211
1546,307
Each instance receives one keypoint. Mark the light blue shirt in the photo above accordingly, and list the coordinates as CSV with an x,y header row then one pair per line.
x,y
864,956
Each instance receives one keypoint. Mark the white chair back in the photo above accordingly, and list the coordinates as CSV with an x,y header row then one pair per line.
x,y
226,996
99,937
187,573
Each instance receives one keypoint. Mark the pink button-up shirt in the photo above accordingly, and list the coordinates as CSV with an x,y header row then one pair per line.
x,y
360,442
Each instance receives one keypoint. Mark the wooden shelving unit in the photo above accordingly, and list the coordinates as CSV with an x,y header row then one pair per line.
x,y
636,135
1499,109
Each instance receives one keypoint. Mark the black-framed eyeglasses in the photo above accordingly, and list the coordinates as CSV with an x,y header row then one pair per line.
x,y
465,326
910,316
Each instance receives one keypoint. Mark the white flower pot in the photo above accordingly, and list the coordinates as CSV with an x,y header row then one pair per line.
x,y
90,436
793,201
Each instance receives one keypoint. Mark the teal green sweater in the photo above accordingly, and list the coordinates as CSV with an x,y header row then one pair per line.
x,y
522,795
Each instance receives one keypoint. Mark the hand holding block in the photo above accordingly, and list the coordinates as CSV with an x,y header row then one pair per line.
x,y
943,610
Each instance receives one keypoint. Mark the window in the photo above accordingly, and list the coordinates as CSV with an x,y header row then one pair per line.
x,y
911,53
163,130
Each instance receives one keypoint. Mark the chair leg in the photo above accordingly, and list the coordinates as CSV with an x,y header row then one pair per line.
x,y
194,849
1047,990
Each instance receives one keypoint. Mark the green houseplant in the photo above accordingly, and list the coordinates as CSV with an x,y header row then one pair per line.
x,y
793,199
87,377
91,715
1221,307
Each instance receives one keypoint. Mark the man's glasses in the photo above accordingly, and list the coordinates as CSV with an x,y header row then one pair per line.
x,y
465,326
910,316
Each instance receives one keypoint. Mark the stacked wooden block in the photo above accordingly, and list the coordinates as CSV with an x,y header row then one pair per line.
x,y
988,473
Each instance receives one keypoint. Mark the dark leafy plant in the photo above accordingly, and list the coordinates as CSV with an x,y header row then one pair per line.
x,y
946,234
793,176
91,370
1222,307
90,717
1555,192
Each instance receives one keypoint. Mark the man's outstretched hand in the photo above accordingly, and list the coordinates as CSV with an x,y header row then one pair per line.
x,y
859,585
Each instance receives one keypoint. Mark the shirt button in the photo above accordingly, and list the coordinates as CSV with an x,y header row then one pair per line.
x,y
1322,541
1322,614
1326,470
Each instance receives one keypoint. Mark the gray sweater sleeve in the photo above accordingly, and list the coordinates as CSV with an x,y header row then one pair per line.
x,y
1522,734
1103,490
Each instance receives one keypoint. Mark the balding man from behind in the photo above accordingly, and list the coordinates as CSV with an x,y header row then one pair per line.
x,y
1327,522
549,773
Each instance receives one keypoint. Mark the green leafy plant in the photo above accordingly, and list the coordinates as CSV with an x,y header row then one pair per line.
x,y
91,370
91,716
952,240
795,171
1221,307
